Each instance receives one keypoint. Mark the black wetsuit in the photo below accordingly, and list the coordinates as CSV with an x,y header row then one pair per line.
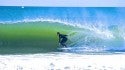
x,y
62,39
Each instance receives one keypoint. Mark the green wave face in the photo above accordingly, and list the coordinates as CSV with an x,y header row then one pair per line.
x,y
39,37
32,37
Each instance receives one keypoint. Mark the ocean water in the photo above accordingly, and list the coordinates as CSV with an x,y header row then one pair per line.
x,y
28,39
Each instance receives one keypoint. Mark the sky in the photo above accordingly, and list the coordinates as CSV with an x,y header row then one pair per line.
x,y
66,3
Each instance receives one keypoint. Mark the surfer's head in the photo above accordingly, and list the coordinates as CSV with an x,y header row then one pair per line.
x,y
58,33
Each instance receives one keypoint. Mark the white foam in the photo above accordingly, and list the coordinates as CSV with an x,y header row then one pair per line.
x,y
65,61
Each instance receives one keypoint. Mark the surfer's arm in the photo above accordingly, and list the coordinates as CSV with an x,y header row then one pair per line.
x,y
59,39
65,35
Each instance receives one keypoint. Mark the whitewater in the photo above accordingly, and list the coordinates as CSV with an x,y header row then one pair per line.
x,y
62,61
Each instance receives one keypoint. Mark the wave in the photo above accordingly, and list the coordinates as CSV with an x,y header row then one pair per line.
x,y
93,29
82,37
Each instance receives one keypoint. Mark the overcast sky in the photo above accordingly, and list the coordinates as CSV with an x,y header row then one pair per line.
x,y
64,3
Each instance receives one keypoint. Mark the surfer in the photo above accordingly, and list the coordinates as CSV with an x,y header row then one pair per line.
x,y
62,39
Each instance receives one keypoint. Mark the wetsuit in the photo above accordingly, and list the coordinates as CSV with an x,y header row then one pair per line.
x,y
62,39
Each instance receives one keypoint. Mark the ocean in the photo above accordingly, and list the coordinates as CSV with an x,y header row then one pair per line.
x,y
29,41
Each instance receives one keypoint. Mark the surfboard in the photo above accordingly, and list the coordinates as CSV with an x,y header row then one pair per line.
x,y
64,49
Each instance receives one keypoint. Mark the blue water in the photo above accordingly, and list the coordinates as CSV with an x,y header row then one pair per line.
x,y
103,27
110,15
